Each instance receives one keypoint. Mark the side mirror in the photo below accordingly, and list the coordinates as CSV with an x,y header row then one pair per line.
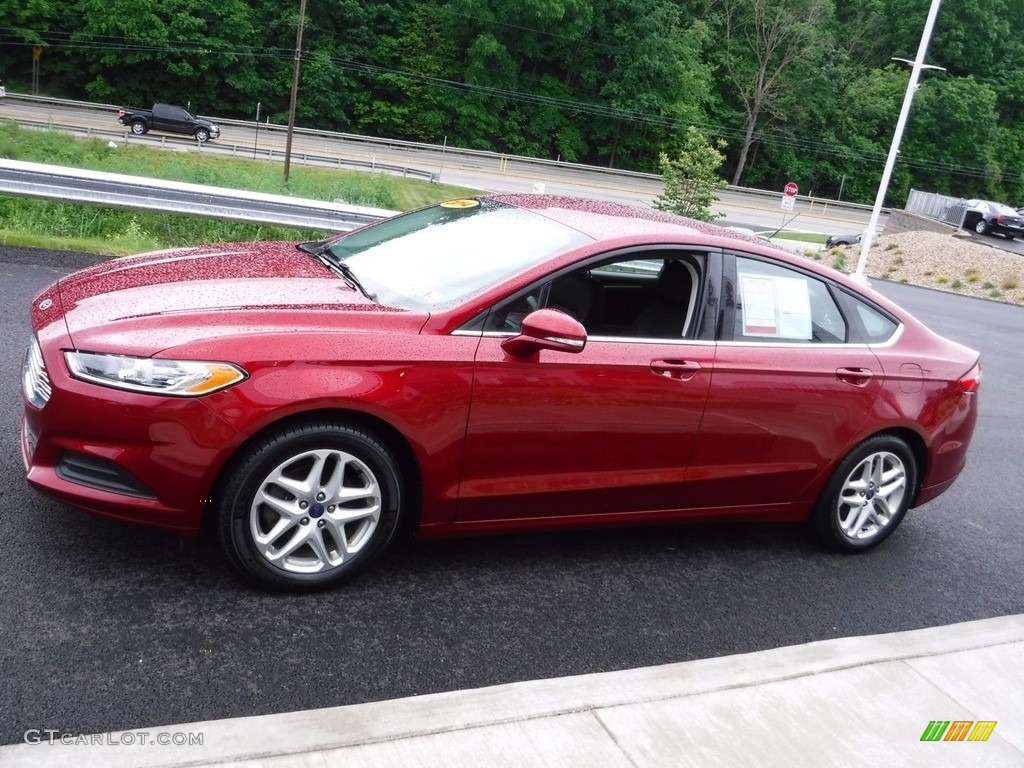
x,y
546,329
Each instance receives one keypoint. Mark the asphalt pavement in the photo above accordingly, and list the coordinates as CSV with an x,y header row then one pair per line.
x,y
106,627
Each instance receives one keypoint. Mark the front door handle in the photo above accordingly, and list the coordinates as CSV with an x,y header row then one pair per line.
x,y
859,377
683,370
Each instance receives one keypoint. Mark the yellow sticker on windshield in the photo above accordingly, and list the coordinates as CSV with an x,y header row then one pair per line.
x,y
463,203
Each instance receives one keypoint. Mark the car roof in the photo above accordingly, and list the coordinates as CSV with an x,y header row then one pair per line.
x,y
604,220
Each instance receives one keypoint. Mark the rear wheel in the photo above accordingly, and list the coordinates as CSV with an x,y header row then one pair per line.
x,y
310,506
981,227
138,127
867,496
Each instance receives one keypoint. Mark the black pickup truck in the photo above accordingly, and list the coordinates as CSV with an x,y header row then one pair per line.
x,y
170,119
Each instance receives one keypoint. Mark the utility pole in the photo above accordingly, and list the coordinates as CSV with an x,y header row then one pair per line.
x,y
295,91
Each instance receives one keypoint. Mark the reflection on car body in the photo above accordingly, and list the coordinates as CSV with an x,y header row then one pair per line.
x,y
515,362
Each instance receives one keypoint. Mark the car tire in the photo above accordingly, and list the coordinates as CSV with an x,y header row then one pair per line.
x,y
139,127
867,496
309,506
981,227
202,135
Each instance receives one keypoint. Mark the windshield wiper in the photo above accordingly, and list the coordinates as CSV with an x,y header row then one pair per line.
x,y
344,271
351,279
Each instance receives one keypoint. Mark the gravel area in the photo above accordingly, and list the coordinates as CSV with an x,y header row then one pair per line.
x,y
951,263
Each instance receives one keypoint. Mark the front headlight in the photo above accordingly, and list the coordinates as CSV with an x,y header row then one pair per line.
x,y
154,376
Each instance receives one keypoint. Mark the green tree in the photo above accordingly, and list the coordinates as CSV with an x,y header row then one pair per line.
x,y
691,177
765,41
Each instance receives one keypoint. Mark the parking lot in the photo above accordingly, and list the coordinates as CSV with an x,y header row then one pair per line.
x,y
108,626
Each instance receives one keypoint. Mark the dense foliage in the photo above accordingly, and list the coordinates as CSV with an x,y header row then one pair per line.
x,y
801,90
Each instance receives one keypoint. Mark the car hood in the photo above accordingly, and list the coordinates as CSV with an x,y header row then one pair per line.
x,y
143,304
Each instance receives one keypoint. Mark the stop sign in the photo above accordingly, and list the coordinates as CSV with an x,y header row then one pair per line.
x,y
791,189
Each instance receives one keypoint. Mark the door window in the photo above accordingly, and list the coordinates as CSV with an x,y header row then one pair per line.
x,y
775,304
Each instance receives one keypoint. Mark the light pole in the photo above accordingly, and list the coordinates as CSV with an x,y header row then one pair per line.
x,y
295,91
894,149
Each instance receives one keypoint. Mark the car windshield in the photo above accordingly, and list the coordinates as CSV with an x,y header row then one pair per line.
x,y
442,255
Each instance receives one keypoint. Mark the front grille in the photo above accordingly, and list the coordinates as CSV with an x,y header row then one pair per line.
x,y
101,474
34,380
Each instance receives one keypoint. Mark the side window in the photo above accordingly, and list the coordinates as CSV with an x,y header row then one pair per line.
x,y
654,297
776,304
868,324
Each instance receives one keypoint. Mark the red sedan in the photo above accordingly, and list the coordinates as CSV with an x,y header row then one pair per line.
x,y
491,364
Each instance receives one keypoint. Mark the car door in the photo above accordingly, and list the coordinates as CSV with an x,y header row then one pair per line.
x,y
790,391
608,430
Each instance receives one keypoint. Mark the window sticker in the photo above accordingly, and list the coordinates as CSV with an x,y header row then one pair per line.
x,y
778,307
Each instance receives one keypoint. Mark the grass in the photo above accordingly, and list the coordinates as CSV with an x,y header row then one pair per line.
x,y
803,237
66,226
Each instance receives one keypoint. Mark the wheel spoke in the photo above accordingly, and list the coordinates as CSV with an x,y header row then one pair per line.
x,y
332,485
287,509
855,520
316,543
268,538
881,512
296,541
344,515
337,530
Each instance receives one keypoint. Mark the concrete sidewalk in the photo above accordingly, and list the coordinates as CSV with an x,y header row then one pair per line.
x,y
862,701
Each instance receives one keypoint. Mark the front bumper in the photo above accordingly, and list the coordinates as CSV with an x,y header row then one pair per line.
x,y
139,458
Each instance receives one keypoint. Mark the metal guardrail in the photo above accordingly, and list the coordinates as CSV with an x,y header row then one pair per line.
x,y
120,191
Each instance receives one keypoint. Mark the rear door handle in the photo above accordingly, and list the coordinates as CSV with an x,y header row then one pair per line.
x,y
859,377
684,370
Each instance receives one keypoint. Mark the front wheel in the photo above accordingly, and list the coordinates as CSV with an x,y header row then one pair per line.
x,y
309,506
202,135
867,496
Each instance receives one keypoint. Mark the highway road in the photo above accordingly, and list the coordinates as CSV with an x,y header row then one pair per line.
x,y
486,171
106,626
477,170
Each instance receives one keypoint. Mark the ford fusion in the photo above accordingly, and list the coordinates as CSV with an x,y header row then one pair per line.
x,y
489,364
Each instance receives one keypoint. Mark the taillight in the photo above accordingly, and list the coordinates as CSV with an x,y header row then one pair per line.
x,y
970,381
999,219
